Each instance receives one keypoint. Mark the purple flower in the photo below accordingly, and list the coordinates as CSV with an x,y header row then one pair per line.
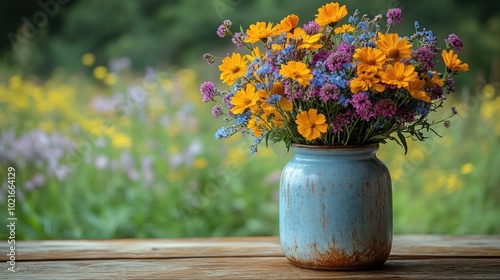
x,y
447,124
394,16
425,56
210,59
363,105
341,120
454,42
208,91
223,29
386,107
216,111
311,28
340,56
322,55
238,39
329,92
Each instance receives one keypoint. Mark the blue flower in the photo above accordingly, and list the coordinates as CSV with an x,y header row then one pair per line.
x,y
274,99
362,25
242,119
417,26
222,133
348,38
343,100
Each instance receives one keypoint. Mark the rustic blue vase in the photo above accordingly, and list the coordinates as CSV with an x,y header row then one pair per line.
x,y
336,208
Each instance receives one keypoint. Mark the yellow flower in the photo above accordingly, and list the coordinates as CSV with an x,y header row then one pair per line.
x,y
467,168
371,60
100,72
297,71
284,102
245,99
365,82
393,47
310,124
399,75
110,79
200,163
345,28
307,42
288,23
434,80
88,59
415,88
121,141
254,126
232,68
259,31
330,13
255,54
452,62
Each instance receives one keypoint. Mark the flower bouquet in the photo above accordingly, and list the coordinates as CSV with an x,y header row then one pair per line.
x,y
327,83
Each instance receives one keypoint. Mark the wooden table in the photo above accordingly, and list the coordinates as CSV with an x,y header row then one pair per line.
x,y
412,257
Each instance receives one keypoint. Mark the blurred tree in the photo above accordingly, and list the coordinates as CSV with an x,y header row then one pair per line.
x,y
156,32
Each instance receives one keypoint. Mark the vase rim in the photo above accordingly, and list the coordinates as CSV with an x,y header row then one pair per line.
x,y
337,147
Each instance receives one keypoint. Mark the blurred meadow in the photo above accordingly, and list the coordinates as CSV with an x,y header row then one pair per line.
x,y
102,119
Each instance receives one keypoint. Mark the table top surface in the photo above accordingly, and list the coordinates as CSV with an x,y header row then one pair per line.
x,y
412,257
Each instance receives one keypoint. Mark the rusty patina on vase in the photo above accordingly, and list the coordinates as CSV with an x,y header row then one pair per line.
x,y
336,208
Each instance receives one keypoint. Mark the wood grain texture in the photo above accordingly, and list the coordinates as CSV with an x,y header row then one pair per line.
x,y
412,257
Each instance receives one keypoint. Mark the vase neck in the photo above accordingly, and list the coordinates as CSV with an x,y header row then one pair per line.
x,y
351,151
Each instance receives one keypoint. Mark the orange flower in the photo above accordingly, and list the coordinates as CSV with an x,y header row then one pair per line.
x,y
365,82
330,13
232,68
308,42
371,60
415,88
399,74
452,62
310,124
284,102
297,71
245,99
259,31
288,23
393,47
345,28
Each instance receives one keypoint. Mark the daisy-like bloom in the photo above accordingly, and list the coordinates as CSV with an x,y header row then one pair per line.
x,y
364,82
399,74
289,23
254,126
393,47
330,13
415,88
432,79
310,124
308,42
232,68
297,71
255,54
245,99
371,60
345,28
452,62
259,31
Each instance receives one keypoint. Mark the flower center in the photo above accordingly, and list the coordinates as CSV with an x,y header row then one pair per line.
x,y
393,53
235,69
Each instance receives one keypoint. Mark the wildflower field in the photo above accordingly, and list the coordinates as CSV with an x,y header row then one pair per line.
x,y
108,153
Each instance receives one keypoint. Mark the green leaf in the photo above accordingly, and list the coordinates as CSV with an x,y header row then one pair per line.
x,y
403,141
